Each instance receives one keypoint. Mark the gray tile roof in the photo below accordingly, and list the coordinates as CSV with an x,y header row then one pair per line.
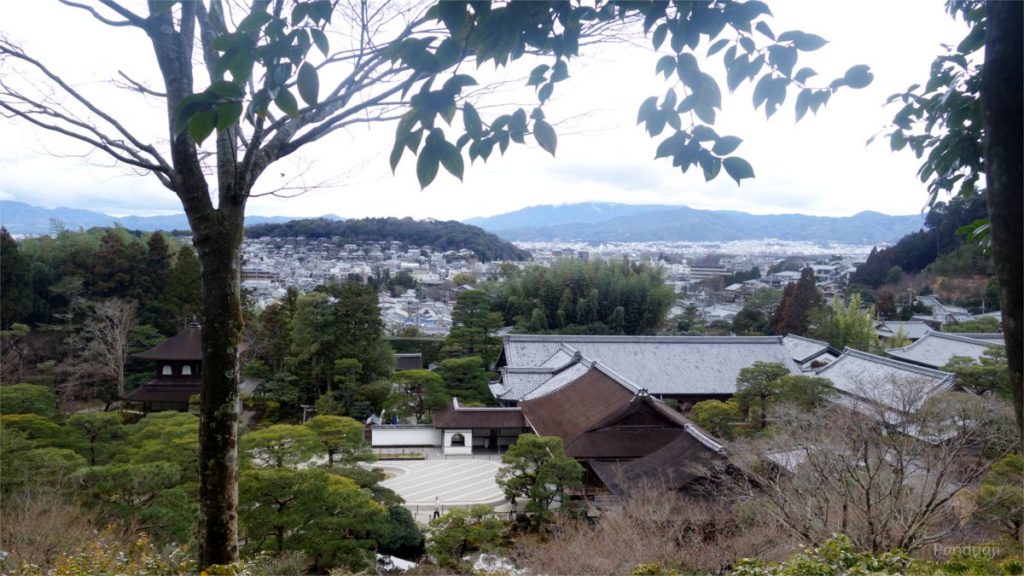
x,y
803,349
664,365
936,349
993,337
914,329
557,381
885,382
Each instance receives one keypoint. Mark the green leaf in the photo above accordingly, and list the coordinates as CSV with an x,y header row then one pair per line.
x,y
858,76
560,71
726,145
703,133
659,35
738,168
671,146
254,22
308,83
761,90
711,166
717,46
426,164
688,69
226,90
803,74
456,83
763,28
201,125
666,65
545,136
803,102
320,39
471,120
783,58
454,15
705,112
225,42
286,102
802,40
537,75
708,92
189,107
649,106
396,154
897,140
451,159
228,114
545,92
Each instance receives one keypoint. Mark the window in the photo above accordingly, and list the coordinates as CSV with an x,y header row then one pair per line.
x,y
458,440
186,370
167,370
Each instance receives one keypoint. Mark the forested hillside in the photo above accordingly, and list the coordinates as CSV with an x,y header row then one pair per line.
x,y
446,235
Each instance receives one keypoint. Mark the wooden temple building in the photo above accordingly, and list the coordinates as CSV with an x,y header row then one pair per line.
x,y
179,369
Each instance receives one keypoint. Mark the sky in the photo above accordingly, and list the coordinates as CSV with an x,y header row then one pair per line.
x,y
821,165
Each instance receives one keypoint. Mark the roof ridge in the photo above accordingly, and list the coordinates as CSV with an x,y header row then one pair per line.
x,y
611,339
892,362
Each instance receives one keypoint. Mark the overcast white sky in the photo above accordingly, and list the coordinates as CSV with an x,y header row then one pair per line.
x,y
820,166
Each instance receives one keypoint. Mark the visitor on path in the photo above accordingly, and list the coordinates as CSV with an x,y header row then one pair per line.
x,y
437,506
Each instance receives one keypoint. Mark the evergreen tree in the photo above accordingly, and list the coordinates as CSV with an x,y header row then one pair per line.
x,y
15,289
799,301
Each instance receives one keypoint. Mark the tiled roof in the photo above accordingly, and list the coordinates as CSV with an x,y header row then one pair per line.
x,y
803,349
185,345
671,467
455,416
166,391
914,329
993,337
883,381
678,365
574,409
936,349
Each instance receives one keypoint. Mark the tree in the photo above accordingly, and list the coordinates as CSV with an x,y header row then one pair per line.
x,y
341,437
1000,502
848,326
538,471
886,304
758,387
417,393
465,378
806,392
27,399
184,288
461,531
966,122
102,348
97,428
983,324
716,416
280,445
15,290
473,326
986,375
799,301
749,322
885,486
268,52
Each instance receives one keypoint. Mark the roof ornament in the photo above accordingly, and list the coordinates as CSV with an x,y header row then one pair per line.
x,y
641,393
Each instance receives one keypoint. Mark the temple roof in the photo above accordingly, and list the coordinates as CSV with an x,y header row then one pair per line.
x,y
185,345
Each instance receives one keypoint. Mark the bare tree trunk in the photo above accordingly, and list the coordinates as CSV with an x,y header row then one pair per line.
x,y
219,246
1001,97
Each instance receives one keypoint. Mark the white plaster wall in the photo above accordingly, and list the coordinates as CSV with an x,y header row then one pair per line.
x,y
449,449
402,436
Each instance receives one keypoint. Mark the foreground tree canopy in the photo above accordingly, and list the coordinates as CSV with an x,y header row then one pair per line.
x,y
230,95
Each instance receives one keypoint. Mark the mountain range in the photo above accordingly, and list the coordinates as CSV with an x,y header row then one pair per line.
x,y
584,222
608,222
21,218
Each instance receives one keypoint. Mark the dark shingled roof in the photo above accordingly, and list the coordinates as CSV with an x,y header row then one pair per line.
x,y
185,345
578,407
454,416
165,391
675,465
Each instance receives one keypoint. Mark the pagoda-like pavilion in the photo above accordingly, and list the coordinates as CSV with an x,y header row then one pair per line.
x,y
179,370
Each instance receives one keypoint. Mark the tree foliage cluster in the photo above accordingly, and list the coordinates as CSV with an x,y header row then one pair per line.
x,y
575,297
940,239
799,301
325,342
143,476
440,235
45,278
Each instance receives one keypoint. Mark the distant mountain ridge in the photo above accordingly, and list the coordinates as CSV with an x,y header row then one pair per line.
x,y
609,222
22,218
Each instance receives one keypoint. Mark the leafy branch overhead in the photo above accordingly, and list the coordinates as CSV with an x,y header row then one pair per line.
x,y
498,33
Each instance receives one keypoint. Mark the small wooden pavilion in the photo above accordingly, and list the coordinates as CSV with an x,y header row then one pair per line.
x,y
179,371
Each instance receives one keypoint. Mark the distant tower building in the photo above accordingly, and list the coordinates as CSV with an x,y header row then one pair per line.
x,y
179,371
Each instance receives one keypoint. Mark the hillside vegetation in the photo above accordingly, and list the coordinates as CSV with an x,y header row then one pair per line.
x,y
442,235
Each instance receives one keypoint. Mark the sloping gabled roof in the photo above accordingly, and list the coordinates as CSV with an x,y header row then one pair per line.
x,y
577,407
803,349
885,382
936,349
913,329
671,467
455,416
664,365
185,345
